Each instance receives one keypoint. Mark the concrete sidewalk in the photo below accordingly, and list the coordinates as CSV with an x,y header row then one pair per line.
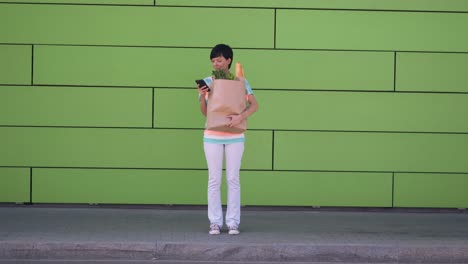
x,y
30,232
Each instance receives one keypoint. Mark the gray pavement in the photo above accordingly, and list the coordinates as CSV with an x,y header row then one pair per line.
x,y
20,261
162,234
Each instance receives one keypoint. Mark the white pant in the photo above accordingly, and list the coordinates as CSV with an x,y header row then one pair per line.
x,y
214,157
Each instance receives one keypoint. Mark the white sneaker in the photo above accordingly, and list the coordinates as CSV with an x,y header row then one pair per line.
x,y
214,229
233,230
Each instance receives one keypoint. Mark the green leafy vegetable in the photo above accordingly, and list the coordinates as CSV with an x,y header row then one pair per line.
x,y
220,74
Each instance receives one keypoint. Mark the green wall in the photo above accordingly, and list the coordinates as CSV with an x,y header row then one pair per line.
x,y
363,103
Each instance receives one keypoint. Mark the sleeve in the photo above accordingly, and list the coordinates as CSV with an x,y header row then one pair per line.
x,y
247,87
208,80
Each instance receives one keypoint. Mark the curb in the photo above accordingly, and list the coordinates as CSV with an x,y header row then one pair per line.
x,y
235,252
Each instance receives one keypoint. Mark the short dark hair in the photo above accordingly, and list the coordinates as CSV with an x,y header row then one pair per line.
x,y
222,50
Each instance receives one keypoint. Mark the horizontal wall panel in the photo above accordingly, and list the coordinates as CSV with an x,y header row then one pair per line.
x,y
117,66
75,106
355,111
15,64
135,26
14,185
364,30
318,70
440,72
164,187
316,189
85,2
354,151
350,111
119,148
418,5
431,190
177,108
119,186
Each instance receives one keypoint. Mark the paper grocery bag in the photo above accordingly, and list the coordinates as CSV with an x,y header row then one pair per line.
x,y
227,97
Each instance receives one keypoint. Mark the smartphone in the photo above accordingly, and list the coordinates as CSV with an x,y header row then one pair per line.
x,y
202,83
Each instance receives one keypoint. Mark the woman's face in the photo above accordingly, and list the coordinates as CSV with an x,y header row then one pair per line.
x,y
220,63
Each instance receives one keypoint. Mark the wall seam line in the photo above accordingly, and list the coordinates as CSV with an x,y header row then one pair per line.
x,y
152,108
274,30
393,189
32,64
394,70
30,184
273,151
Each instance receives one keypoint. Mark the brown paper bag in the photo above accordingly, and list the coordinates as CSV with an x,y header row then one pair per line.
x,y
227,97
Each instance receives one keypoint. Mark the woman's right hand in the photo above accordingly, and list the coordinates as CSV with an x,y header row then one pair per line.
x,y
202,90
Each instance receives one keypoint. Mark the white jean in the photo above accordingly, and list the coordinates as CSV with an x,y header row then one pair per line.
x,y
214,157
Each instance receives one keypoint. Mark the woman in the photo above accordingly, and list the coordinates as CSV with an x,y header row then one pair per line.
x,y
216,144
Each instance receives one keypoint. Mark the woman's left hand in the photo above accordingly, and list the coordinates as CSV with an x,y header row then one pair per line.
x,y
234,120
